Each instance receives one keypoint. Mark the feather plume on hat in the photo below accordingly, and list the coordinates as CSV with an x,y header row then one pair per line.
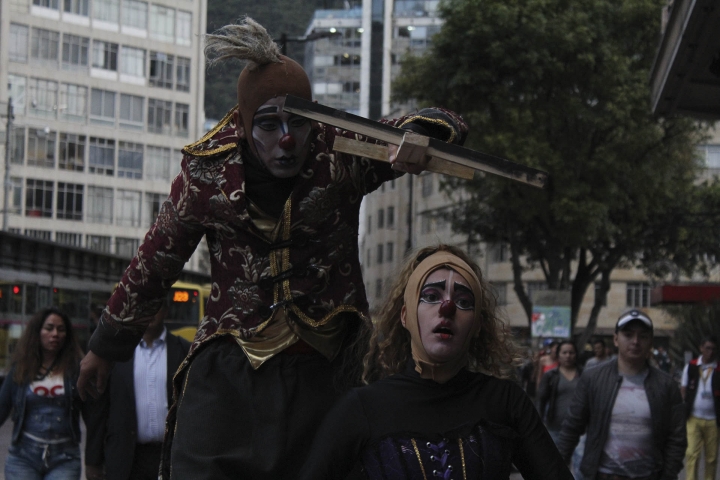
x,y
248,41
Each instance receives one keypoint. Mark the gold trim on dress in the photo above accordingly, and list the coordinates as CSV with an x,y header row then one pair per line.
x,y
192,148
436,121
417,452
462,458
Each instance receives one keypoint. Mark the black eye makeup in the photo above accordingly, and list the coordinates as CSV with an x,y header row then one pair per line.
x,y
433,293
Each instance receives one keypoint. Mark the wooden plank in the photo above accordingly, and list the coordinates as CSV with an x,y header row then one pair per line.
x,y
477,161
380,152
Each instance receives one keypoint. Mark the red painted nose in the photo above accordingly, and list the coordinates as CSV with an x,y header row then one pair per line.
x,y
447,308
287,142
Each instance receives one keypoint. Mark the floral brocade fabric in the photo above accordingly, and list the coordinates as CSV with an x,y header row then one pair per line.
x,y
310,267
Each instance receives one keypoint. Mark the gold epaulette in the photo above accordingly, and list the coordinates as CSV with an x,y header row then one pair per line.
x,y
209,145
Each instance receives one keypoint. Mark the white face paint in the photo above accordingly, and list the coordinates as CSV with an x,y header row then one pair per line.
x,y
270,124
443,335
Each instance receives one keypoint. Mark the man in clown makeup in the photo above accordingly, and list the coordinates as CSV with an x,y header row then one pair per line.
x,y
428,411
279,209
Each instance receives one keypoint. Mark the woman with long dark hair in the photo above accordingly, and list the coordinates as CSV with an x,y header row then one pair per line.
x,y
437,405
558,386
41,394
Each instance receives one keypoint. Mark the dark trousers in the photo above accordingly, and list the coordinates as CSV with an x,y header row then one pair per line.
x,y
146,461
235,422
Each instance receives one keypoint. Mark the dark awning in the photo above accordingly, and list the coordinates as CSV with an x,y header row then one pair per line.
x,y
686,75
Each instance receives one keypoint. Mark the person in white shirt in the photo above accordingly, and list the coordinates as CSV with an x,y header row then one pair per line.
x,y
700,388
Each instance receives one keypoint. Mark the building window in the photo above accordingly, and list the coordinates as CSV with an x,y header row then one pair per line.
x,y
135,14
98,243
500,291
126,247
128,208
182,71
72,152
159,116
75,51
427,185
43,97
153,202
381,219
391,217
106,10
99,206
18,146
18,43
182,119
73,102
16,187
102,106
69,201
712,156
105,55
41,148
378,288
38,198
131,111
379,254
47,4
157,163
132,61
390,251
78,7
161,70
392,184
130,160
16,91
369,224
69,238
425,223
45,45
638,294
39,234
102,156
184,28
162,23
499,252
368,257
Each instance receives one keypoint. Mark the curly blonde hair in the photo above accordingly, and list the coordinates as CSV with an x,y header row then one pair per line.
x,y
493,352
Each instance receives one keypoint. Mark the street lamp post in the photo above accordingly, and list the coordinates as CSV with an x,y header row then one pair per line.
x,y
8,151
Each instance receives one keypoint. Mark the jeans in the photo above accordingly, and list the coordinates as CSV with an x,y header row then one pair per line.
x,y
31,460
576,456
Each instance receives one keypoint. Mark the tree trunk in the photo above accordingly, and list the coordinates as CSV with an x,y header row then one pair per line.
x,y
518,283
595,312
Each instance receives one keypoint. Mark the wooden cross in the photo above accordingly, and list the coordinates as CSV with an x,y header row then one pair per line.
x,y
445,157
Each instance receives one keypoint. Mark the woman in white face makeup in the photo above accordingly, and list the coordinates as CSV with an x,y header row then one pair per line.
x,y
436,405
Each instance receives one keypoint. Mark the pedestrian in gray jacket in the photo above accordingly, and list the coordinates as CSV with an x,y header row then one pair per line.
x,y
633,413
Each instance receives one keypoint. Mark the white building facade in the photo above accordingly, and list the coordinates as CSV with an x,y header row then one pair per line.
x,y
105,94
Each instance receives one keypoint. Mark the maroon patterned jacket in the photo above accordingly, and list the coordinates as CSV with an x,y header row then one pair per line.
x,y
311,266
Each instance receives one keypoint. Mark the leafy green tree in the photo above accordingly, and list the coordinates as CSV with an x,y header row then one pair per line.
x,y
563,86
695,322
290,17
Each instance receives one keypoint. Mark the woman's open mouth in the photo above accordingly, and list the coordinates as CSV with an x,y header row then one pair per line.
x,y
286,161
444,330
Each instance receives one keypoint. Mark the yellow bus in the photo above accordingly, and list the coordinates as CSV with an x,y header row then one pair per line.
x,y
187,308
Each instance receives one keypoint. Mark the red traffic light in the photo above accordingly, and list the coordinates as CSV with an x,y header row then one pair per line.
x,y
16,289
